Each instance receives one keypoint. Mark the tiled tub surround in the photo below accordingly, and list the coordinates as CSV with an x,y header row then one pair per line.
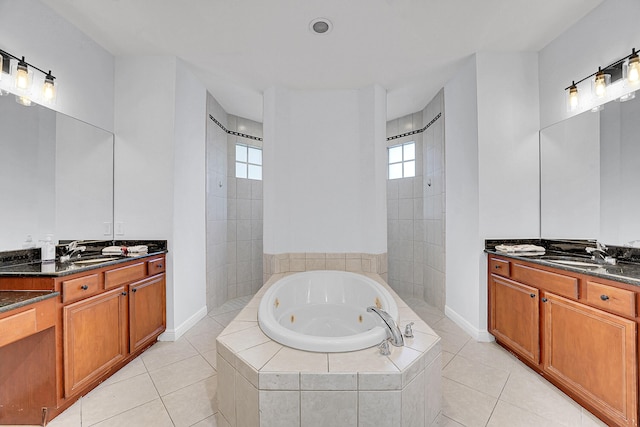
x,y
351,261
267,384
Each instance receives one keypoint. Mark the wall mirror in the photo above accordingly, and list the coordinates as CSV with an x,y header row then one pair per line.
x,y
56,176
589,173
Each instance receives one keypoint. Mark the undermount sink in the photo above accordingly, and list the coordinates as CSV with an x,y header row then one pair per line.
x,y
94,261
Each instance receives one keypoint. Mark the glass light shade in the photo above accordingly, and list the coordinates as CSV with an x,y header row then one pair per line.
x,y
600,83
573,98
48,88
632,70
23,76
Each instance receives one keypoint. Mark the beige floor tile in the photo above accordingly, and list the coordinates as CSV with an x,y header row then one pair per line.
x,y
207,422
490,354
181,374
112,399
529,391
225,318
444,421
590,420
447,325
446,358
150,414
206,325
203,342
72,417
132,369
479,377
452,343
210,356
507,415
192,404
167,352
465,405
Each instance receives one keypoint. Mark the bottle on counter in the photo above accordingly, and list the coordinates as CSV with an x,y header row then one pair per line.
x,y
48,250
28,242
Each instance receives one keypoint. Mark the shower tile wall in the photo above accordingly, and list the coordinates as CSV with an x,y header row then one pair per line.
x,y
216,205
415,210
244,217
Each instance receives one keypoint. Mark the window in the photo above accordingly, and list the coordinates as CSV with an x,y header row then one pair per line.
x,y
248,162
402,160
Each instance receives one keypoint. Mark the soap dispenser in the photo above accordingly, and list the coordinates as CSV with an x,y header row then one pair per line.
x,y
48,250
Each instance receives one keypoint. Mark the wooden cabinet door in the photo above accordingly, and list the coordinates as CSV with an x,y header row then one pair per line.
x,y
147,314
514,316
94,337
593,353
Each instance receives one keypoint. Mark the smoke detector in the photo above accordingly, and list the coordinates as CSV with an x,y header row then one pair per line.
x,y
320,26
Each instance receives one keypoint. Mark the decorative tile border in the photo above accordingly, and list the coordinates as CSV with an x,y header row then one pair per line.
x,y
413,132
232,132
350,261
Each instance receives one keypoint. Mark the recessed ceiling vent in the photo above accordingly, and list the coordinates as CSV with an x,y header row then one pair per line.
x,y
320,26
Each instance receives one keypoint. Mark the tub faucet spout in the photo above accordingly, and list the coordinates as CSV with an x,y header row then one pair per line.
x,y
395,336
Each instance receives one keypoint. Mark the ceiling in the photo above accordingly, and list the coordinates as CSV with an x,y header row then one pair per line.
x,y
238,48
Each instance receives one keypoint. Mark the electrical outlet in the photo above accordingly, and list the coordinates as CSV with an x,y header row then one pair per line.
x,y
106,228
119,228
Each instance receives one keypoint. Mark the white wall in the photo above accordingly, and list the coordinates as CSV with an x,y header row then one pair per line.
x,y
492,172
324,174
605,35
84,71
160,173
462,228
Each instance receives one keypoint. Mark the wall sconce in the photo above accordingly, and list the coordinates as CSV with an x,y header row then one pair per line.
x,y
24,80
626,69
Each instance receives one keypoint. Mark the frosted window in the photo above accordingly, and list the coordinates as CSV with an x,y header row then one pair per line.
x,y
255,172
248,162
402,162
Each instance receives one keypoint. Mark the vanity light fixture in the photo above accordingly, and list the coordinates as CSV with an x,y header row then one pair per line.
x,y
24,79
626,68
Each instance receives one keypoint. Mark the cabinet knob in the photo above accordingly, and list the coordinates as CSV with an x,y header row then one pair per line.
x,y
159,265
604,297
134,290
84,287
544,300
124,294
497,267
532,295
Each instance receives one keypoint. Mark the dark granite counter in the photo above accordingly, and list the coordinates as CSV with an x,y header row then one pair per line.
x,y
10,300
627,269
27,263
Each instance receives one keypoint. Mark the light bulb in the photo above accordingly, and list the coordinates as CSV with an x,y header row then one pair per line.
x,y
48,89
573,97
600,84
22,75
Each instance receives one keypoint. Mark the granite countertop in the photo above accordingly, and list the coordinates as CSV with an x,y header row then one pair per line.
x,y
27,263
10,300
627,269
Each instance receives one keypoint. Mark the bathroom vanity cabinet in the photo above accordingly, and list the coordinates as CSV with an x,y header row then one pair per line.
x,y
577,330
106,316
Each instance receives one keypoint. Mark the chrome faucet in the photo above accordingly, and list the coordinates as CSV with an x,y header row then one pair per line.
x,y
72,248
600,252
395,336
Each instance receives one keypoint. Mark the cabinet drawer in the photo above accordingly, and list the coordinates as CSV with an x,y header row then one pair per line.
x,y
615,300
559,284
122,275
155,266
79,288
500,266
18,326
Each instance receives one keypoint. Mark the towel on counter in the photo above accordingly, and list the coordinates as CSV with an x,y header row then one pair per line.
x,y
137,249
521,249
112,250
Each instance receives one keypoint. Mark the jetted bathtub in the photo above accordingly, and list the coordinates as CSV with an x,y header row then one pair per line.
x,y
325,311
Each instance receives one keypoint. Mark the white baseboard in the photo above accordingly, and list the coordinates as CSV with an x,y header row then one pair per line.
x,y
477,334
174,334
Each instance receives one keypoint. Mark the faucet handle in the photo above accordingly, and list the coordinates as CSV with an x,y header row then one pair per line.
x,y
408,332
384,347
